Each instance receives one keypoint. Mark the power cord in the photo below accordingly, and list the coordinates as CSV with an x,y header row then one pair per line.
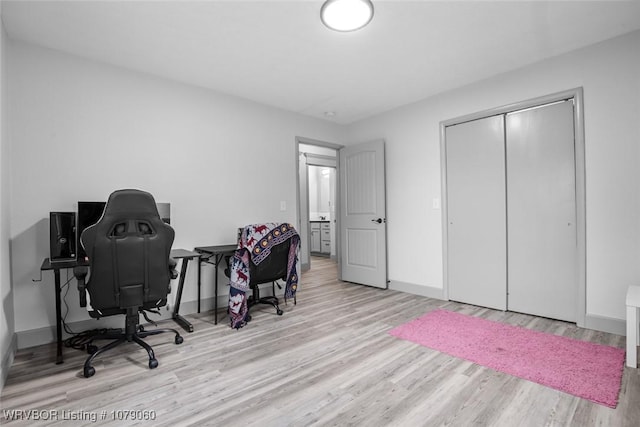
x,y
79,340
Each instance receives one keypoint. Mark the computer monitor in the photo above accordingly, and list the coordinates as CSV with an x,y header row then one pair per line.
x,y
164,209
88,214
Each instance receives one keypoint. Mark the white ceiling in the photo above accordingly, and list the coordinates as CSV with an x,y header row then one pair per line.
x,y
278,53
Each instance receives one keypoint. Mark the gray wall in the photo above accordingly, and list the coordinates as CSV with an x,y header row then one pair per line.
x,y
609,72
81,129
7,326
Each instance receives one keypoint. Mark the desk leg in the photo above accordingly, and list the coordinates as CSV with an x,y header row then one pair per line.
x,y
59,358
199,282
215,299
186,325
632,336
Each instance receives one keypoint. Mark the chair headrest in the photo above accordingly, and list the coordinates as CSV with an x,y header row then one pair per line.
x,y
126,201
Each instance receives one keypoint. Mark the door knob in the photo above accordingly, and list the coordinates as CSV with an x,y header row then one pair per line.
x,y
379,220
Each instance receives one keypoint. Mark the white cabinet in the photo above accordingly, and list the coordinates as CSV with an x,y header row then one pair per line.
x,y
325,238
315,237
320,237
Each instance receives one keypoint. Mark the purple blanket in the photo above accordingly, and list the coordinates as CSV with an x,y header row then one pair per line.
x,y
255,245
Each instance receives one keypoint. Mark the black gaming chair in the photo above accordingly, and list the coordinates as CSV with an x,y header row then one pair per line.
x,y
268,255
130,269
272,269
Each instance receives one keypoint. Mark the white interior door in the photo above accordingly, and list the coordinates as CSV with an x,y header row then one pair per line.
x,y
363,228
476,213
541,194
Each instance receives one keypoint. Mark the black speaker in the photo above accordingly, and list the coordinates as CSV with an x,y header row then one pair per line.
x,y
62,236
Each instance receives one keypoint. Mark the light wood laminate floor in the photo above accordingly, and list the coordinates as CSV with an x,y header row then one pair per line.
x,y
327,361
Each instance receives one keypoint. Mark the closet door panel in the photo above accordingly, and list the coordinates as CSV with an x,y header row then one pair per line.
x,y
476,223
541,212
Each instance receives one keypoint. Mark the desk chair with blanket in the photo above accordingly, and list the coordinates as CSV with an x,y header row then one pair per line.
x,y
129,270
266,253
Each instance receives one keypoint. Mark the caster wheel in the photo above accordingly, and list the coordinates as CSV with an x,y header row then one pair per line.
x,y
89,372
279,312
153,363
179,339
91,349
140,328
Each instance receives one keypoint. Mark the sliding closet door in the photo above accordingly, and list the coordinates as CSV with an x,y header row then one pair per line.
x,y
541,212
476,223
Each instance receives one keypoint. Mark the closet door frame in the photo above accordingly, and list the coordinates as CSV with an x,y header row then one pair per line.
x,y
576,95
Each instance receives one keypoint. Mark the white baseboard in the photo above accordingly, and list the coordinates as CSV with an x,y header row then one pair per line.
x,y
39,336
605,324
592,321
33,337
206,304
47,334
7,360
412,288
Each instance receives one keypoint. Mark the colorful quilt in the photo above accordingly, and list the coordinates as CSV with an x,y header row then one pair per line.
x,y
255,244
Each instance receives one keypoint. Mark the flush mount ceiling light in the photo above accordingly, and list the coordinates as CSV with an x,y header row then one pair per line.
x,y
346,15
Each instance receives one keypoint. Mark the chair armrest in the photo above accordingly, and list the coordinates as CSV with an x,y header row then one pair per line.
x,y
81,273
227,271
173,272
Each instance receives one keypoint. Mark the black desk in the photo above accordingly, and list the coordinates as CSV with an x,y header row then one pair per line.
x,y
217,253
186,256
57,266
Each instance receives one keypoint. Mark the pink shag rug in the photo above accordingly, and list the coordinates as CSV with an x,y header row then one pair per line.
x,y
587,370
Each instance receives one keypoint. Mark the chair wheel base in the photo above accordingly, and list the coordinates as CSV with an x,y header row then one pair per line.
x,y
89,371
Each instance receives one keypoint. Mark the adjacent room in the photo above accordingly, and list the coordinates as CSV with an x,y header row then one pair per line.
x,y
429,215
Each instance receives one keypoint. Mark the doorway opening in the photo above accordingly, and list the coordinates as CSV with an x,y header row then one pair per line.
x,y
317,199
321,185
